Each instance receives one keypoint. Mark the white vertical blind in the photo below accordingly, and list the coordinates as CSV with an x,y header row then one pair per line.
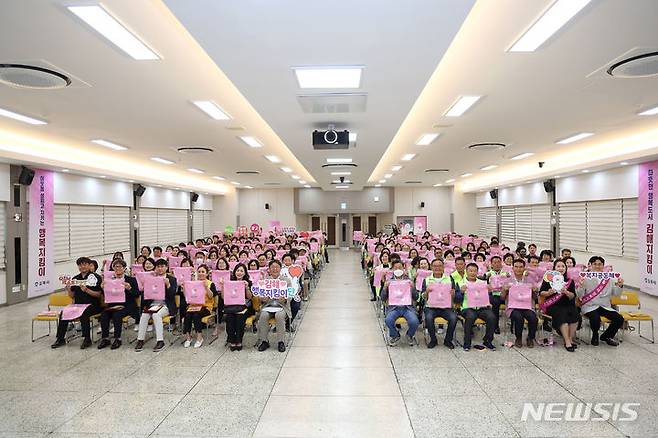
x,y
630,227
573,226
86,230
62,233
508,226
207,229
116,229
197,225
523,221
3,230
172,226
604,227
541,226
487,222
148,227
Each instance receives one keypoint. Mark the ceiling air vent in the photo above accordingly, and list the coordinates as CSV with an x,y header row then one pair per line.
x,y
340,165
33,77
436,170
638,66
488,146
247,172
194,150
413,182
272,184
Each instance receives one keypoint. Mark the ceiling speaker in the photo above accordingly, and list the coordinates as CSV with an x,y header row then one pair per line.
x,y
194,196
549,186
267,206
494,194
26,176
422,204
139,190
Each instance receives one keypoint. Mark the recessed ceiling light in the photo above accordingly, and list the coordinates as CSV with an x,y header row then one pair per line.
x,y
301,182
342,187
408,157
221,178
157,185
462,105
522,156
212,109
553,19
110,145
575,138
286,169
489,167
352,137
162,160
328,77
273,158
307,186
98,18
437,185
251,141
649,112
21,117
339,160
586,171
624,163
193,170
295,177
466,175
65,170
248,187
235,183
378,185
382,181
341,173
337,181
388,175
450,181
426,139
396,168
557,176
102,176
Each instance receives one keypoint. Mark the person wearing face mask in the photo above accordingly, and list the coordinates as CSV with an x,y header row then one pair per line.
x,y
438,276
471,314
115,313
595,297
277,308
407,312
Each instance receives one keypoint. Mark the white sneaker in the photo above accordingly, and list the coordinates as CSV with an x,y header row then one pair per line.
x,y
187,344
392,342
136,328
198,343
411,341
149,328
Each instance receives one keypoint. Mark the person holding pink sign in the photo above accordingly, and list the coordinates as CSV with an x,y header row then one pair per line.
x,y
438,290
236,294
474,295
560,305
87,293
156,310
519,293
200,298
118,305
496,277
399,293
277,308
595,297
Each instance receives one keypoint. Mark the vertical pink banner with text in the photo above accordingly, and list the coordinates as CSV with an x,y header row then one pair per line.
x,y
41,234
646,208
420,225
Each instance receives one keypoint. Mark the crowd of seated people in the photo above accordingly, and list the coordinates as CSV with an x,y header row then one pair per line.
x,y
121,293
450,278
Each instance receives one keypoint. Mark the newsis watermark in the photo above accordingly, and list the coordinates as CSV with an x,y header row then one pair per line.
x,y
580,412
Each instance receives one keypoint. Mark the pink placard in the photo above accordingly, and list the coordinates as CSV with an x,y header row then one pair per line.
x,y
546,266
141,276
174,262
477,294
315,247
114,291
195,292
574,272
520,297
439,295
254,275
216,276
234,293
498,281
421,275
73,311
482,268
134,269
232,265
377,277
108,275
399,293
154,288
183,274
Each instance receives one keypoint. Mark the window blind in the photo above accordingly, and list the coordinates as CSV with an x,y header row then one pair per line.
x,y
197,225
508,226
86,230
488,226
148,227
630,227
116,229
62,233
573,226
541,226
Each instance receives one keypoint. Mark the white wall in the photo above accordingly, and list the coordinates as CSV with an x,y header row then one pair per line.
x,y
483,200
438,205
204,202
225,210
466,219
251,206
4,197
616,183
77,189
155,197
526,194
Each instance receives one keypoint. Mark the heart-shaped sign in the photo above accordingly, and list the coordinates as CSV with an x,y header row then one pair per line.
x,y
582,274
295,271
617,275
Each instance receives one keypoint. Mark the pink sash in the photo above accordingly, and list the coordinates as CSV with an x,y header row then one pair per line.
x,y
552,299
595,292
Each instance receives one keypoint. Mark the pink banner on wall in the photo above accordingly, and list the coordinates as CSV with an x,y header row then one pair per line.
x,y
420,225
41,235
646,197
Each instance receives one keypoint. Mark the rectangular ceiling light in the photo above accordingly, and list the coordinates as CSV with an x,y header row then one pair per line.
x,y
212,109
649,112
286,169
295,177
193,170
466,175
235,183
553,19
462,105
341,173
382,181
450,181
339,160
388,175
301,182
378,185
342,187
408,157
273,158
489,167
248,187
352,137
108,144
252,142
21,117
575,138
337,181
522,156
307,186
328,77
220,178
396,168
426,139
437,185
162,160
103,23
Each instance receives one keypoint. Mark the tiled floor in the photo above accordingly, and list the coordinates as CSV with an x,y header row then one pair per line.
x,y
338,378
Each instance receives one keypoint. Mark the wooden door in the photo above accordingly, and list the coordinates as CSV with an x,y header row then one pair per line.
x,y
315,223
372,225
356,223
331,230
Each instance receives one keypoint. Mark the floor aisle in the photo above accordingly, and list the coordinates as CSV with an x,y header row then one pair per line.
x,y
337,379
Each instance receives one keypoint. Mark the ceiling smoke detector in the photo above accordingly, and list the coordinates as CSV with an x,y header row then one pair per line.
x,y
32,77
194,150
638,66
487,146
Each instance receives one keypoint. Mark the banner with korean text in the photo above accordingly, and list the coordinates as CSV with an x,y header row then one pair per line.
x,y
41,235
646,208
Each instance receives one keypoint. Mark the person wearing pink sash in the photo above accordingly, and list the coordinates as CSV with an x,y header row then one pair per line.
x,y
471,312
561,306
520,312
595,298
88,293
277,308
